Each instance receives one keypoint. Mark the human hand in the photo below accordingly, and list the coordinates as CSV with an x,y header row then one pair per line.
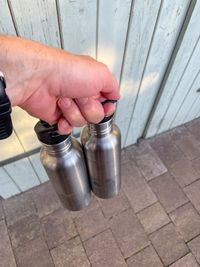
x,y
54,85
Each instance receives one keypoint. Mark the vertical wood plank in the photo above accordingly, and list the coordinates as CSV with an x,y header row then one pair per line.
x,y
182,90
78,25
197,115
142,23
6,23
113,17
176,73
35,159
23,174
187,102
7,187
78,28
24,127
37,20
168,27
194,111
112,29
10,147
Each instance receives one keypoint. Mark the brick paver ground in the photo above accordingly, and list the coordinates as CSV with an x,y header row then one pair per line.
x,y
153,222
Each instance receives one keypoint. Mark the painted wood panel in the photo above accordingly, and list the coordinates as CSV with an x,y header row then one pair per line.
x,y
197,115
113,18
188,101
37,20
112,33
159,121
169,23
39,169
194,111
182,89
24,128
23,138
8,187
10,147
141,27
6,23
22,174
78,25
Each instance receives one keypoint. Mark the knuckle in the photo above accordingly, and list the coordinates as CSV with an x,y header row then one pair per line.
x,y
87,58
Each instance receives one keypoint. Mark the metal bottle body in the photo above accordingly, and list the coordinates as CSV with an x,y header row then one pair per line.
x,y
65,166
102,147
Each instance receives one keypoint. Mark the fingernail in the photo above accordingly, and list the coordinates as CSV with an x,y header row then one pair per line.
x,y
82,100
110,111
66,102
65,124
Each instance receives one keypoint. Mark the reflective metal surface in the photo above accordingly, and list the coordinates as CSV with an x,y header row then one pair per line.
x,y
65,166
102,147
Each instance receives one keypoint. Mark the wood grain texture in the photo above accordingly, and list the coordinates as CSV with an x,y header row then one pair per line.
x,y
187,102
39,169
181,91
194,111
113,18
110,33
159,121
171,18
10,147
37,20
7,187
78,25
6,23
24,128
23,174
141,27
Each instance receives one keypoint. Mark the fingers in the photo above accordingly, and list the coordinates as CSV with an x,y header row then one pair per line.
x,y
82,111
83,76
79,112
110,89
91,109
109,108
71,112
64,127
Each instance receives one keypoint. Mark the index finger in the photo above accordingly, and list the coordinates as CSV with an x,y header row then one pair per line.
x,y
110,88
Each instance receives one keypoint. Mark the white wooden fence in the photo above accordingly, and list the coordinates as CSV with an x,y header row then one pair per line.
x,y
151,46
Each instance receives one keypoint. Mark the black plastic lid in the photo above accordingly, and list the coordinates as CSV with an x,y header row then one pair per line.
x,y
105,119
48,134
6,127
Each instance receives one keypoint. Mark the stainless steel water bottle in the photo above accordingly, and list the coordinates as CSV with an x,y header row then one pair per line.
x,y
102,148
63,160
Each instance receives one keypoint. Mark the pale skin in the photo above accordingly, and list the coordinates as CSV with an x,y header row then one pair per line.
x,y
54,85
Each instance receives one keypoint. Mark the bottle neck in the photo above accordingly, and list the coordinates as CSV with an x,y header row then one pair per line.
x,y
60,148
101,129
